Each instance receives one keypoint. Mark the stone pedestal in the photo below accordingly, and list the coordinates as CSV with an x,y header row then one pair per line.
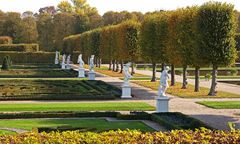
x,y
91,75
63,66
162,104
81,73
56,61
126,92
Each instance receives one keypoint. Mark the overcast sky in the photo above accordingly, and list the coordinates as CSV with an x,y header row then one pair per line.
x,y
107,5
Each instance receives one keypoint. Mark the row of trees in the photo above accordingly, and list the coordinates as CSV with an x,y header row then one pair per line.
x,y
192,36
112,43
50,25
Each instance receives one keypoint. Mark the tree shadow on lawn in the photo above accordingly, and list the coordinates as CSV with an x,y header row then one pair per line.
x,y
218,121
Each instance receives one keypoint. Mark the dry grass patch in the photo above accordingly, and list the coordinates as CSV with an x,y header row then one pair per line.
x,y
187,93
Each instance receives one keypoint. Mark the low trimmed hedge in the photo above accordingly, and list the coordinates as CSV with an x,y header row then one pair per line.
x,y
29,57
176,120
19,47
5,40
202,136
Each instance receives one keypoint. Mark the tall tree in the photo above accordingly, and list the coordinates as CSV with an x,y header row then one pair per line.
x,y
11,26
45,28
63,26
153,37
216,24
28,30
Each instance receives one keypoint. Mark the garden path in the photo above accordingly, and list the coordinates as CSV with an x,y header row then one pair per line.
x,y
217,118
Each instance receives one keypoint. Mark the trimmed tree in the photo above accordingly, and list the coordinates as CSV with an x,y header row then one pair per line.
x,y
153,36
216,25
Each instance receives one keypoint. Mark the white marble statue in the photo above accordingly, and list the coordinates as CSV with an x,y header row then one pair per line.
x,y
163,82
91,63
127,75
56,57
68,61
63,61
80,61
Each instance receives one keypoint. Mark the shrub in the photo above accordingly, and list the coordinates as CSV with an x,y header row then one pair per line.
x,y
237,38
125,137
19,47
5,40
30,57
6,63
234,72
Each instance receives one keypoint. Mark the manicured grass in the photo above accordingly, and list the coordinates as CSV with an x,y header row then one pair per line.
x,y
117,74
6,132
221,104
104,106
187,93
49,89
99,124
140,78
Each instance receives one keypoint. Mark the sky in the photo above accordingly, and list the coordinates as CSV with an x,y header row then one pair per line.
x,y
107,5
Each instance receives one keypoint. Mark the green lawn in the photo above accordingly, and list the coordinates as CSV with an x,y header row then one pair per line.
x,y
187,93
6,132
221,104
140,78
99,124
104,106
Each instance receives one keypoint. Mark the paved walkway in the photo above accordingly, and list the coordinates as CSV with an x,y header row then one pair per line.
x,y
217,118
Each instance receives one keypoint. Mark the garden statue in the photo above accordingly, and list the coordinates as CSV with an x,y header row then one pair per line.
x,y
81,71
127,75
68,61
163,82
56,57
63,61
80,61
91,65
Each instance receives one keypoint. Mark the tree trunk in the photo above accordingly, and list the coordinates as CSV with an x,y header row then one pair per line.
x,y
184,84
110,65
117,66
172,75
114,62
132,69
121,67
153,72
213,91
163,65
96,62
99,62
196,79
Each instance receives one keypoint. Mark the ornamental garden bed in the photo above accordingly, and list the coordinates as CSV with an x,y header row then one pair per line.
x,y
236,82
221,104
56,89
37,71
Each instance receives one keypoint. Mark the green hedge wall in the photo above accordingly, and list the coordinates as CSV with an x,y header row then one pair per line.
x,y
29,57
19,47
237,38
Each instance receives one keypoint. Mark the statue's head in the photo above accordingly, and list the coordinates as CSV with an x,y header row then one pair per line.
x,y
80,55
167,68
92,56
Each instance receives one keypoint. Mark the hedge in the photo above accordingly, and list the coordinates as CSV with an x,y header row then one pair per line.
x,y
237,38
201,136
5,40
20,47
29,57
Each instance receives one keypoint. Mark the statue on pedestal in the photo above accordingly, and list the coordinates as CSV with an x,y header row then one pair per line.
x,y
163,82
127,75
68,61
91,63
80,61
63,61
56,57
